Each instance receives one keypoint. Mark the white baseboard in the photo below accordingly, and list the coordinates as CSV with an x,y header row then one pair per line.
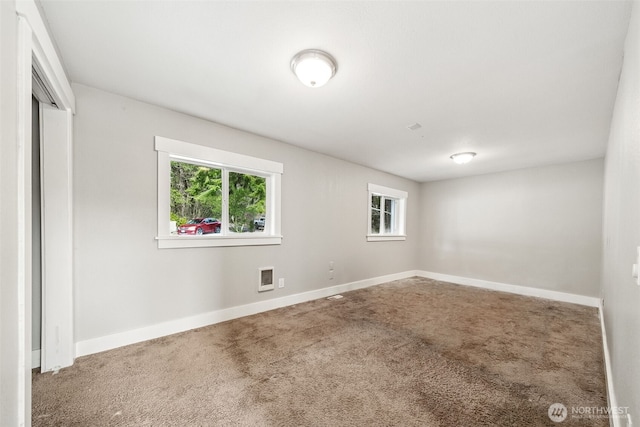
x,y
514,289
611,395
96,345
35,359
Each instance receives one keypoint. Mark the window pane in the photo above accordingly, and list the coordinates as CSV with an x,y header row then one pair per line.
x,y
389,208
388,205
387,223
375,221
247,203
375,214
196,199
375,202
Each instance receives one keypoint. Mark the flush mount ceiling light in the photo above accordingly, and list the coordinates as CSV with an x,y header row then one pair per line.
x,y
462,158
313,67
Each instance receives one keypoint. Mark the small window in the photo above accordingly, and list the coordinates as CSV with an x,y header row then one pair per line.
x,y
387,213
210,197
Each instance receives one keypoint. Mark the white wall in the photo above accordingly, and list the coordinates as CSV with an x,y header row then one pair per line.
x,y
622,227
14,387
10,393
123,281
538,227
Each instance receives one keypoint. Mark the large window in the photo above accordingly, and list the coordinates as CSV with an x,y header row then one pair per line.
x,y
387,213
210,197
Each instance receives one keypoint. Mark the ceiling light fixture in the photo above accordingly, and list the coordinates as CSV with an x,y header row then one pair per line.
x,y
313,67
462,158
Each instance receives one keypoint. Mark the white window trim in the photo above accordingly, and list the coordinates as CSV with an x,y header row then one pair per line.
x,y
400,217
171,149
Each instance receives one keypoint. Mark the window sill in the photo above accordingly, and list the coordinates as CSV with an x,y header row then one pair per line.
x,y
385,238
169,242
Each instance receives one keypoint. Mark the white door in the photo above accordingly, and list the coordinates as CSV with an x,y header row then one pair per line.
x,y
57,245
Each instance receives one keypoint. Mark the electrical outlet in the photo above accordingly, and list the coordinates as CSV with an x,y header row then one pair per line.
x,y
330,274
281,282
330,265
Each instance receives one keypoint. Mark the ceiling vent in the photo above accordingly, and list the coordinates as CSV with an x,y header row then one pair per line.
x,y
414,126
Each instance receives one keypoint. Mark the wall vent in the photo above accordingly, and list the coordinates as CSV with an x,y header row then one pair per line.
x,y
265,279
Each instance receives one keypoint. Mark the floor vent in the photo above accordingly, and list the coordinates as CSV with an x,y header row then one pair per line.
x,y
335,297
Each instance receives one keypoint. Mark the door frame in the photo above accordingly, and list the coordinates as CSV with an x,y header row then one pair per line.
x,y
36,50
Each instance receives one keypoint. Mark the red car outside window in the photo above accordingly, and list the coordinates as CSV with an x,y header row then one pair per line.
x,y
198,226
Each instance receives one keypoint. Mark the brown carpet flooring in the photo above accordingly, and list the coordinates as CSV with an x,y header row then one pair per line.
x,y
410,352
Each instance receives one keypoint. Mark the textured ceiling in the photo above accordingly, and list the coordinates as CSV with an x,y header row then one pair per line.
x,y
521,83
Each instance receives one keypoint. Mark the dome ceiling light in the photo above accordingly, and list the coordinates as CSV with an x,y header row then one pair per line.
x,y
314,68
462,158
